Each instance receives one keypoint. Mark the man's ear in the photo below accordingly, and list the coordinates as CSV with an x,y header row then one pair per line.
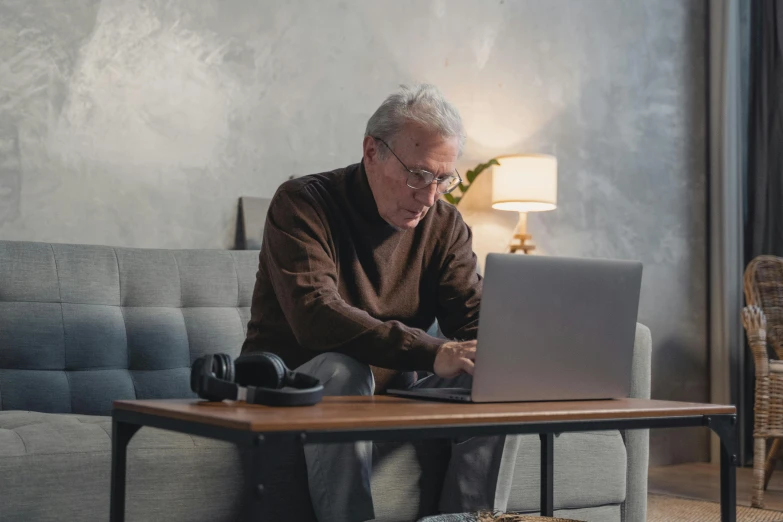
x,y
370,150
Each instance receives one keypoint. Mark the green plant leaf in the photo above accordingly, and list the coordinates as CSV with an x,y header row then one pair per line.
x,y
471,175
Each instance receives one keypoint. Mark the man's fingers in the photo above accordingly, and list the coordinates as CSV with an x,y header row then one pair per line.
x,y
454,358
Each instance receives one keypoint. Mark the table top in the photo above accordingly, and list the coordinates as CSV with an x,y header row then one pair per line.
x,y
358,412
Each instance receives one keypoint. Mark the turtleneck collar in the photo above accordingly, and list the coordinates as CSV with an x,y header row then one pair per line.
x,y
365,200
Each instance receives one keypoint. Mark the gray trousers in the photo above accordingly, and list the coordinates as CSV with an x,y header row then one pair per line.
x,y
478,476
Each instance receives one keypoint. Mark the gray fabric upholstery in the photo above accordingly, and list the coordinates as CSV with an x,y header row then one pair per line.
x,y
609,513
81,326
422,464
171,476
589,471
637,442
56,467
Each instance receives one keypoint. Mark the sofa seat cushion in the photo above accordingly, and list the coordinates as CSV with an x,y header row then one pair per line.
x,y
407,478
589,470
58,467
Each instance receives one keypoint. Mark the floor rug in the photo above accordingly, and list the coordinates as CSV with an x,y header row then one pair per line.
x,y
674,509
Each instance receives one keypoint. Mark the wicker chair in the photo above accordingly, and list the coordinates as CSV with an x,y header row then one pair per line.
x,y
763,322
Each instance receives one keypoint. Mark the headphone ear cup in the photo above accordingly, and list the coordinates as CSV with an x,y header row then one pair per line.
x,y
265,375
275,371
212,377
196,372
225,367
260,369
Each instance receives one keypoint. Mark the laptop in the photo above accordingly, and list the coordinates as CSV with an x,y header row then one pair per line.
x,y
551,329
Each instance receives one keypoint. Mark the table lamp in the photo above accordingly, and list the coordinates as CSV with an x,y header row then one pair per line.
x,y
524,183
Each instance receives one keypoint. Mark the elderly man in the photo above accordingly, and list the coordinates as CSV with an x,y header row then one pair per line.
x,y
355,265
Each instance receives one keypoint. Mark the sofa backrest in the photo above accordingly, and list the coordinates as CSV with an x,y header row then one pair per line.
x,y
81,326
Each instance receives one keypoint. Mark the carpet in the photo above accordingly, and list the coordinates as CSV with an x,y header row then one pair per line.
x,y
661,508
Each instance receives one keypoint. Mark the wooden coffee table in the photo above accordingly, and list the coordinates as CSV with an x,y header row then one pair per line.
x,y
345,419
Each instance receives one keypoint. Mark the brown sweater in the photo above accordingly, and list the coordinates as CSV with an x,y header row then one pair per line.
x,y
333,276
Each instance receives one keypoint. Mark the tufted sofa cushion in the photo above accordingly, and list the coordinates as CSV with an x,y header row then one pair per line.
x,y
81,326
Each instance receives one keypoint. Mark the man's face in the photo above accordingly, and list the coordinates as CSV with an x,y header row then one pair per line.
x,y
398,204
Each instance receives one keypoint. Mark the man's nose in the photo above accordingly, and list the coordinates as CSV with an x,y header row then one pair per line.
x,y
428,195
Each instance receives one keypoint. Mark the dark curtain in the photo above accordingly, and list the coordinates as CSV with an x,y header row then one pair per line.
x,y
764,226
763,231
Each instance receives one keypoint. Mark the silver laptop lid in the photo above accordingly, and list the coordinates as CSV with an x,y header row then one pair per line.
x,y
553,328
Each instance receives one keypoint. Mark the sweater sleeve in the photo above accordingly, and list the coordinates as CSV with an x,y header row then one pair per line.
x,y
303,273
459,286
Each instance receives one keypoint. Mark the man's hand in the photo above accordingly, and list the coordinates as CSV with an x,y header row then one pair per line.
x,y
454,358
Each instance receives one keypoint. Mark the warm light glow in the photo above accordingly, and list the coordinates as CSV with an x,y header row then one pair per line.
x,y
525,183
523,206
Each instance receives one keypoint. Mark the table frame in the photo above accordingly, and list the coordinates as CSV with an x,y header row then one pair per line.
x,y
126,423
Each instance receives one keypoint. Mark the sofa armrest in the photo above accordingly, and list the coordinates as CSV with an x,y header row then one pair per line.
x,y
642,363
637,442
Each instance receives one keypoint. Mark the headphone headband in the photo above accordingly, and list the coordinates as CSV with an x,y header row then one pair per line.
x,y
291,397
303,381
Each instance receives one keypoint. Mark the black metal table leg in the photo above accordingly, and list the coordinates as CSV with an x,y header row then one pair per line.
x,y
547,474
254,502
272,486
725,427
121,434
728,486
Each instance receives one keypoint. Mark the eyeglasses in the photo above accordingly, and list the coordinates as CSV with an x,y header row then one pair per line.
x,y
419,178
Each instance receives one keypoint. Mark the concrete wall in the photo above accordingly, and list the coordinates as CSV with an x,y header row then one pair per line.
x,y
141,123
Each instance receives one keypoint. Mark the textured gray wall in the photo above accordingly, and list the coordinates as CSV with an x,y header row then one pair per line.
x,y
141,123
616,90
633,153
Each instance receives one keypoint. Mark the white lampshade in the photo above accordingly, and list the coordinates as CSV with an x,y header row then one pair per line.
x,y
525,183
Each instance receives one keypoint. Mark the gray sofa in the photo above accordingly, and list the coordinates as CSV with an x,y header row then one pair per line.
x,y
81,326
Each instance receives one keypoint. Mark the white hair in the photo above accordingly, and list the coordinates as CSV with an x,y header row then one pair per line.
x,y
423,104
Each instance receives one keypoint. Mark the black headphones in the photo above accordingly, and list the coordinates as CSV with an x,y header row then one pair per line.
x,y
257,378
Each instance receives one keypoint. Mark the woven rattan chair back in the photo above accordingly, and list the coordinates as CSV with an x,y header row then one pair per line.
x,y
763,322
764,288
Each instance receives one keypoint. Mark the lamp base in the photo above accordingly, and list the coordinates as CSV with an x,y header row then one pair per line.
x,y
521,237
520,242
